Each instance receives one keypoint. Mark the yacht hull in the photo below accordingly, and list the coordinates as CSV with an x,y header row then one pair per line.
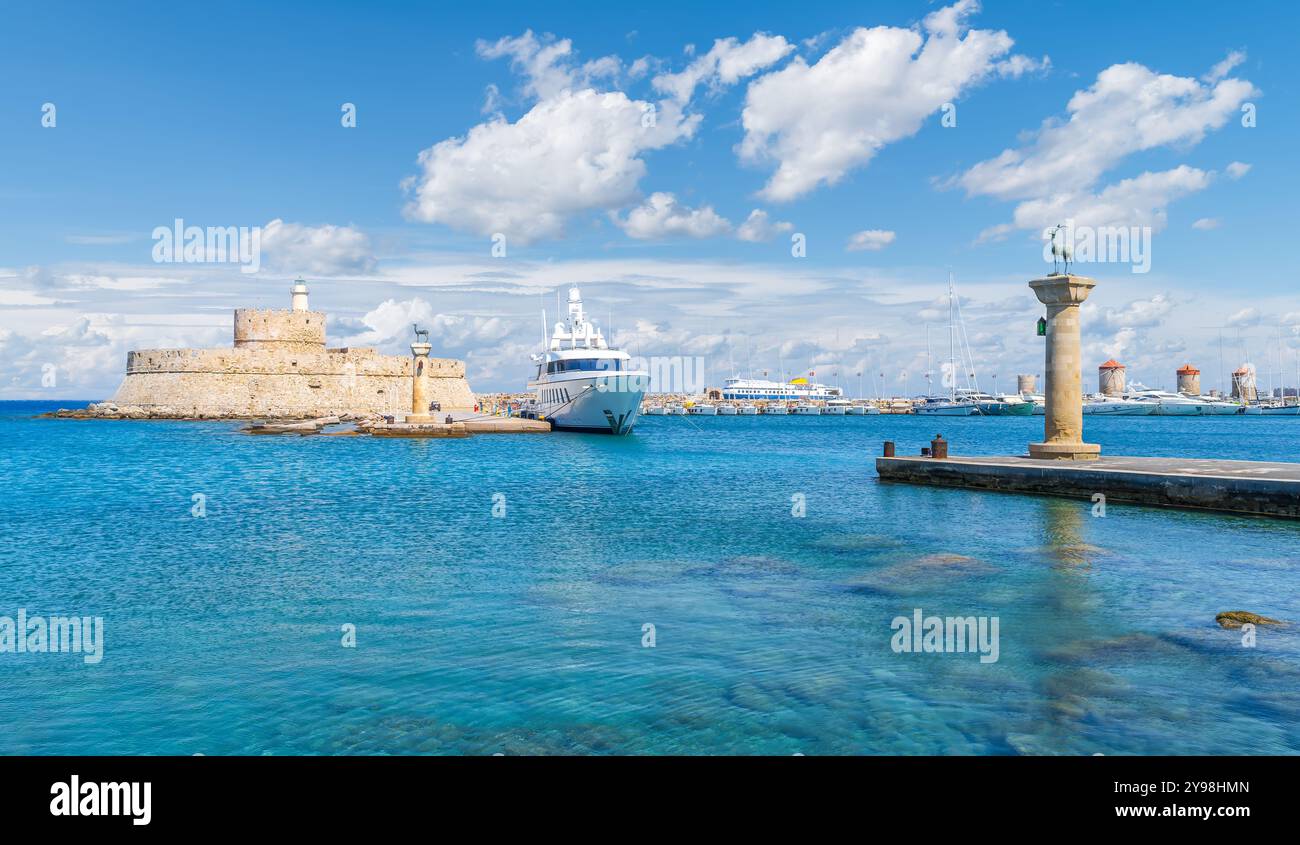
x,y
947,411
1007,409
1119,409
604,404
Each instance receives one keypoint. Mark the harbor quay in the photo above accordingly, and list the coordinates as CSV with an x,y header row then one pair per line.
x,y
1063,464
1247,487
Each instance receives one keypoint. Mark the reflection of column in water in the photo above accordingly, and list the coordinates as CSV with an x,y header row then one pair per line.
x,y
1063,533
1067,624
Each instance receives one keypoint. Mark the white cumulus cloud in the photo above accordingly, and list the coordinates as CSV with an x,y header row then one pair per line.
x,y
869,240
1244,317
576,151
1128,109
726,63
661,216
759,227
877,86
326,250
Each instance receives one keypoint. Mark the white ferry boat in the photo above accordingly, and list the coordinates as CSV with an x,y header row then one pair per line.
x,y
582,384
751,389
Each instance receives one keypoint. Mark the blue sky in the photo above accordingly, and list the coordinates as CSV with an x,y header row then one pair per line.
x,y
230,115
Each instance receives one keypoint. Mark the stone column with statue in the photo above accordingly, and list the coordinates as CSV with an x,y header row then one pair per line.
x,y
420,350
1063,293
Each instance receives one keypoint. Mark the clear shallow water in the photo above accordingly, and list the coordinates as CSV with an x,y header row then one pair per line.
x,y
523,634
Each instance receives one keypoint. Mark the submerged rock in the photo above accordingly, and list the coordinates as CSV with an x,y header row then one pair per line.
x,y
855,542
1237,618
1119,649
919,573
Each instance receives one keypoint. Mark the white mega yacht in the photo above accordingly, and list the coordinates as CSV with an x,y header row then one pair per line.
x,y
582,384
1117,406
1167,404
1215,406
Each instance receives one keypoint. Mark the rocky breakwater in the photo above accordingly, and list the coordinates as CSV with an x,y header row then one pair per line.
x,y
116,411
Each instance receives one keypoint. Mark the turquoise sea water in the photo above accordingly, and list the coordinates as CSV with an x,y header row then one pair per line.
x,y
523,633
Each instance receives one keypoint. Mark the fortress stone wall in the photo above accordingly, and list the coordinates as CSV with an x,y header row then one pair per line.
x,y
279,366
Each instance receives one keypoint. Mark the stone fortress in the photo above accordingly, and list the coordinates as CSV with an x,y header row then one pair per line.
x,y
280,367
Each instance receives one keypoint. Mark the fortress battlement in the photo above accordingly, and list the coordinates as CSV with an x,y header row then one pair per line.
x,y
279,327
279,365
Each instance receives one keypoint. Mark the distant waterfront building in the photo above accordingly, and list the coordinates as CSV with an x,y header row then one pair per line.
x,y
1243,383
1189,380
1027,383
1111,379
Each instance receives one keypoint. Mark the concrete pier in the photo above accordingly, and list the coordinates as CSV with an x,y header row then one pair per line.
x,y
462,424
1245,487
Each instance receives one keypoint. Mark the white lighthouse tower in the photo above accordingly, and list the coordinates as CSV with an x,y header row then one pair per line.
x,y
299,291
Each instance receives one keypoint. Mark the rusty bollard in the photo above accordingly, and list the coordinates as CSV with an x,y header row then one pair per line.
x,y
889,448
938,447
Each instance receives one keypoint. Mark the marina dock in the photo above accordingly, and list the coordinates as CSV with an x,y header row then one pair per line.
x,y
1249,487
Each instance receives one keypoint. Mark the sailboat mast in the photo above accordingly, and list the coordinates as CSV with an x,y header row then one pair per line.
x,y
929,366
952,350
